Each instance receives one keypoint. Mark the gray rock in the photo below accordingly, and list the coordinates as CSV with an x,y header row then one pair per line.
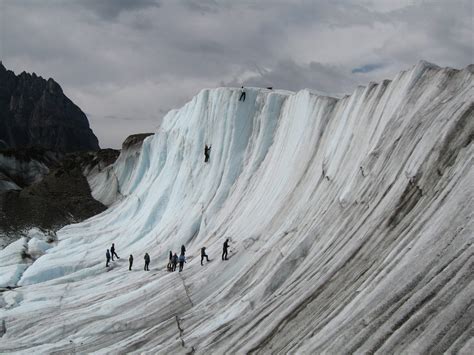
x,y
35,112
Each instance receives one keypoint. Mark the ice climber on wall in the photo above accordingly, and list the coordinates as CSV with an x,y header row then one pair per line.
x,y
130,262
242,95
207,153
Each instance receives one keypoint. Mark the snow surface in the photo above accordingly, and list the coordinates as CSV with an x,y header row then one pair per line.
x,y
350,223
11,262
17,256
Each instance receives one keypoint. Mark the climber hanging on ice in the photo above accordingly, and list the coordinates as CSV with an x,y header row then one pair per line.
x,y
130,262
147,262
112,251
107,257
242,95
207,153
204,255
225,249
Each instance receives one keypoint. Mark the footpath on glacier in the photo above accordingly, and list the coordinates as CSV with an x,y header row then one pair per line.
x,y
350,223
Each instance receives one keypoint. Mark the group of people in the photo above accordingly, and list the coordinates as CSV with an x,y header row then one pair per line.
x,y
173,261
109,254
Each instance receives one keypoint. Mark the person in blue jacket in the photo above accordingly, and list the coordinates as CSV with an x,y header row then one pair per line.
x,y
182,260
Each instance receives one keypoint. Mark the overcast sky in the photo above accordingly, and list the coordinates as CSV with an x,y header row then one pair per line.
x,y
125,63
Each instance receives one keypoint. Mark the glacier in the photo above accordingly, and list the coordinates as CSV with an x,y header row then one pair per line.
x,y
349,219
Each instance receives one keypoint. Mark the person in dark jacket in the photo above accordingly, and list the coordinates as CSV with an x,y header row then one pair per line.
x,y
170,261
112,251
107,257
225,249
204,255
130,262
182,260
242,95
207,153
174,262
147,262
183,250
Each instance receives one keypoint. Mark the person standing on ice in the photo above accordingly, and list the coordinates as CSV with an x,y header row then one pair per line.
x,y
130,262
207,153
112,251
204,255
182,260
147,262
225,249
107,257
170,262
174,261
242,95
183,250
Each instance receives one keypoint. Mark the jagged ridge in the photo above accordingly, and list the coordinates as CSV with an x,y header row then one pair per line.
x,y
35,112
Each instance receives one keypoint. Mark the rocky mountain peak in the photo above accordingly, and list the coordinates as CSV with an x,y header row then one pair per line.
x,y
35,112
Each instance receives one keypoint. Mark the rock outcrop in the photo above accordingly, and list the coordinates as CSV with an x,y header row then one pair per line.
x,y
35,112
47,190
20,168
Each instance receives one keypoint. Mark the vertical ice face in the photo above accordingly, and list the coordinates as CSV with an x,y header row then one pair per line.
x,y
350,223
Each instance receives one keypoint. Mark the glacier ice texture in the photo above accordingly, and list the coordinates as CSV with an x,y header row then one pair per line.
x,y
350,223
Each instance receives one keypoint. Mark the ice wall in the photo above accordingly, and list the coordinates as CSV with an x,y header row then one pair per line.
x,y
350,223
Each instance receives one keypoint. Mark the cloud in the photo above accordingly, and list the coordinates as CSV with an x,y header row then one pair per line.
x,y
289,75
137,59
111,9
201,6
367,68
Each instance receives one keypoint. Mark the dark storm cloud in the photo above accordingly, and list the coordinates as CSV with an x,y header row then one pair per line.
x,y
126,62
